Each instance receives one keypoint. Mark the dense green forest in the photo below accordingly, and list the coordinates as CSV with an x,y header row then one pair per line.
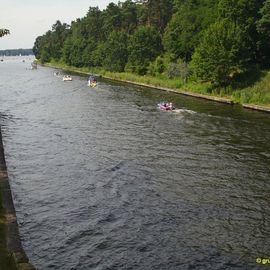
x,y
219,42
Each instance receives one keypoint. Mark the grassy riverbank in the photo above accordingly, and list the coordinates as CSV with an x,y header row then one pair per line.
x,y
253,89
256,92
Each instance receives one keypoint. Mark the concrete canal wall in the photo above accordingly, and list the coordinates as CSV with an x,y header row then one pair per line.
x,y
212,98
13,254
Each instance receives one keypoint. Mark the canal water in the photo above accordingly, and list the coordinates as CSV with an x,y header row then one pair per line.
x,y
102,179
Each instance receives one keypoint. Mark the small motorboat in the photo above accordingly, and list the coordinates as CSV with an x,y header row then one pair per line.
x,y
67,78
92,81
33,65
92,84
56,74
166,106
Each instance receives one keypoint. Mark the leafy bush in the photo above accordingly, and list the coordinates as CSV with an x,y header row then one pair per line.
x,y
143,47
178,69
157,67
220,54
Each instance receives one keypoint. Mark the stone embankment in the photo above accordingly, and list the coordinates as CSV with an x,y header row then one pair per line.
x,y
14,255
212,98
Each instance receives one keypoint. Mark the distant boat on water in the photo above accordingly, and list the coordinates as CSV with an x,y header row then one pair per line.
x,y
33,65
92,81
67,78
166,106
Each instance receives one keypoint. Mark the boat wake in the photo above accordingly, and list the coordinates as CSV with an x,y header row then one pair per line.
x,y
183,111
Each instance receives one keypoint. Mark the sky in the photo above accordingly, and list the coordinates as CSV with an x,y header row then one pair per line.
x,y
28,19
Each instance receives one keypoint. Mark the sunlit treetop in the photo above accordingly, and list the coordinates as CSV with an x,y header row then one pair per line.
x,y
4,32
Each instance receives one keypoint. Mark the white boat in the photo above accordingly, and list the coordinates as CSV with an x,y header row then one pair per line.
x,y
92,84
67,78
33,65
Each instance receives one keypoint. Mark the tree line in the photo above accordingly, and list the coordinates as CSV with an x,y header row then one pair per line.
x,y
15,52
208,40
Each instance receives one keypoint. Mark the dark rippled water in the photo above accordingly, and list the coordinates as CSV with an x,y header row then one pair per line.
x,y
102,179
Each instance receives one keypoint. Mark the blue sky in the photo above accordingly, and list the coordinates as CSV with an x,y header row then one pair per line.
x,y
27,19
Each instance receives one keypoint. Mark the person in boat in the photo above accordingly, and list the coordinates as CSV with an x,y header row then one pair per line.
x,y
92,80
171,105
